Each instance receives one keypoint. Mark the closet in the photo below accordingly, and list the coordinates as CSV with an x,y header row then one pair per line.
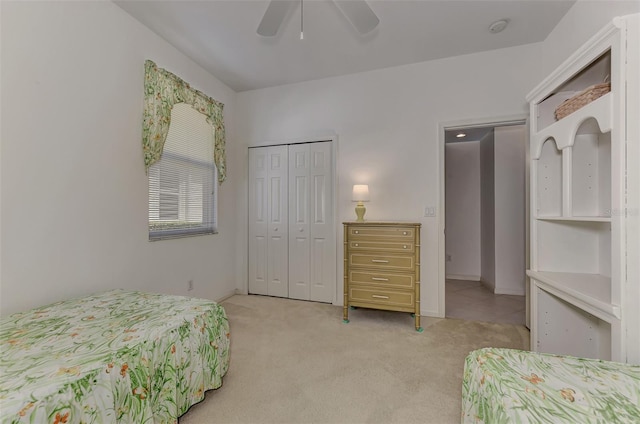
x,y
291,221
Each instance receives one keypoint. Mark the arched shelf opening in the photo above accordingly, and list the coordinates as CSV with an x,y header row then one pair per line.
x,y
595,117
549,180
591,171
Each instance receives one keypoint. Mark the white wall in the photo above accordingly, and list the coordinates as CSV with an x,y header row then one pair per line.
x,y
70,227
387,127
487,211
509,158
462,175
582,21
74,189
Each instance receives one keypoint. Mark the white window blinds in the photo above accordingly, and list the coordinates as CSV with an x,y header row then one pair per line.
x,y
182,184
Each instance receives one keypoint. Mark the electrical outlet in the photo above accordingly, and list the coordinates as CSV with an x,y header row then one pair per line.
x,y
430,211
448,257
189,285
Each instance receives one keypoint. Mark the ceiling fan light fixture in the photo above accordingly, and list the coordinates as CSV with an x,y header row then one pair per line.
x,y
498,26
357,12
273,17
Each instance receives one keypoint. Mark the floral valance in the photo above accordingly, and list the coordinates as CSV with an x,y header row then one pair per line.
x,y
162,90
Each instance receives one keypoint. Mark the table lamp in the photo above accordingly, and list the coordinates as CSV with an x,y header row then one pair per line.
x,y
360,195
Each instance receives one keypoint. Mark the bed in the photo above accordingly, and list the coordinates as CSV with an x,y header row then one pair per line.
x,y
514,386
118,356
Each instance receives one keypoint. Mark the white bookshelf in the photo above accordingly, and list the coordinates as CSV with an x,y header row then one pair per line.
x,y
577,195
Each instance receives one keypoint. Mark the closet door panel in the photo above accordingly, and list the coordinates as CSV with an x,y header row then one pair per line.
x,y
277,254
321,224
258,220
291,234
299,221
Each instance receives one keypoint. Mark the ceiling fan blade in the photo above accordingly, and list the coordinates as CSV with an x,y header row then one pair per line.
x,y
273,17
359,14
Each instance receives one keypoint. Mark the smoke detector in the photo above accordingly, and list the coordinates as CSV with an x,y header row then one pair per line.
x,y
498,26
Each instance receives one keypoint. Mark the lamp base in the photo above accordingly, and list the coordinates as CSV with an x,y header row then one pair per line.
x,y
360,210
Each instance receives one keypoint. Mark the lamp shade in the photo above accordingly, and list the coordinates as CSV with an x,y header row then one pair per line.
x,y
360,193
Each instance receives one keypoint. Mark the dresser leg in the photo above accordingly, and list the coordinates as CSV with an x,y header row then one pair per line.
x,y
418,328
345,314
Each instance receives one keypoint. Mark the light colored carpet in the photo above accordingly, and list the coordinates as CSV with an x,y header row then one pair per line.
x,y
296,362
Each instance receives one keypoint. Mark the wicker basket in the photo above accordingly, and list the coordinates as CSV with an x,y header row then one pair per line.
x,y
582,99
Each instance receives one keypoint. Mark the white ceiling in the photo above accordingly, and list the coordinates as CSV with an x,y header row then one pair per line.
x,y
221,35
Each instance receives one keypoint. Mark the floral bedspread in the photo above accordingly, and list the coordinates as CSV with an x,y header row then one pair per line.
x,y
513,386
116,357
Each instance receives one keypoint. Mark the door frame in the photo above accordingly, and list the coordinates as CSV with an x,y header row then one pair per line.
x,y
331,137
443,126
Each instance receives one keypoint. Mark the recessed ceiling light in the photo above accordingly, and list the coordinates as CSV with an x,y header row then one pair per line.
x,y
460,135
498,26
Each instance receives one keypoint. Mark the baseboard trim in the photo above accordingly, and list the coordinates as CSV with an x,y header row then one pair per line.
x,y
462,277
227,296
510,292
488,285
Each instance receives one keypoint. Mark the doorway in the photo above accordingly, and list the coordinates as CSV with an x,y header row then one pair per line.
x,y
485,221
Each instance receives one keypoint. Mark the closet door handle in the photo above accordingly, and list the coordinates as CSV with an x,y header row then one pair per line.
x,y
379,261
275,228
301,229
379,279
377,296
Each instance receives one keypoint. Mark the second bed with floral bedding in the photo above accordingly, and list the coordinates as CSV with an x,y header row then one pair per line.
x,y
119,356
514,386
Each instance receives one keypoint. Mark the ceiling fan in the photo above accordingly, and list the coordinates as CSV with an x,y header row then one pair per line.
x,y
357,12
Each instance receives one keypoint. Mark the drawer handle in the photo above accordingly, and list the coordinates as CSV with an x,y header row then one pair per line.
x,y
379,261
379,279
404,247
356,244
377,296
404,233
356,232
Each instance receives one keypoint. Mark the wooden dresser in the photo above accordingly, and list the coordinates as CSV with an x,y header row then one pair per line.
x,y
382,267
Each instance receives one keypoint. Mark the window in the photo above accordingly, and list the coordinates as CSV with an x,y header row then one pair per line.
x,y
182,184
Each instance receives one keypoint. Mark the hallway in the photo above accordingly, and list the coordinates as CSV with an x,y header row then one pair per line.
x,y
471,300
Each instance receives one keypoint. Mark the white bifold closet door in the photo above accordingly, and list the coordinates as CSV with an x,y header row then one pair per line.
x,y
301,199
311,227
268,222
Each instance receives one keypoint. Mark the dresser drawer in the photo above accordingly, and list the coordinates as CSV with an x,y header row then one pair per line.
x,y
363,232
381,245
403,263
382,297
381,278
